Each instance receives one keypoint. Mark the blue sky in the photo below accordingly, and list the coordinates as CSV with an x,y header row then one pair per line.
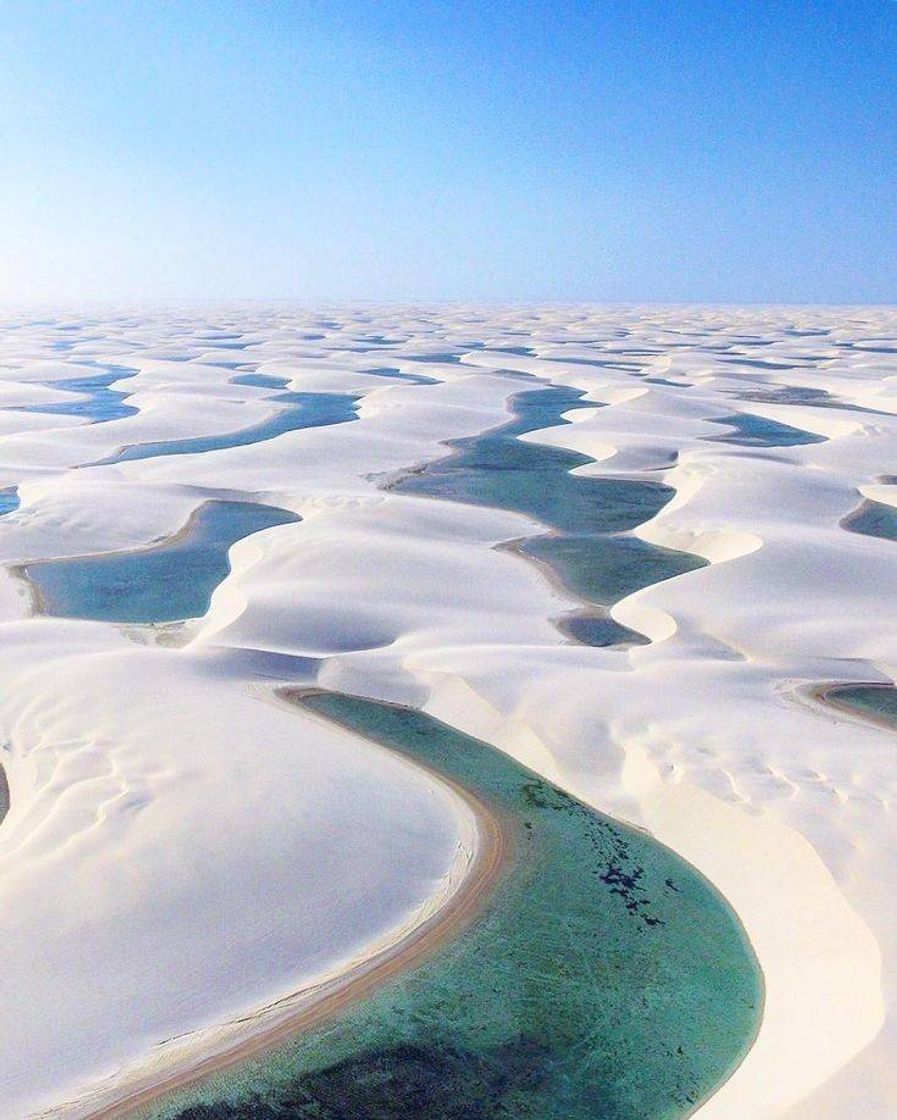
x,y
723,152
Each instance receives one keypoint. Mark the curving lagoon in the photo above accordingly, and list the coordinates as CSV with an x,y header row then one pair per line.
x,y
603,979
170,581
749,430
298,410
92,396
873,701
589,549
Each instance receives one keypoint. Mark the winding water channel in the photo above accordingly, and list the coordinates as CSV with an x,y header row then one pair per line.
x,y
93,397
588,546
298,410
604,979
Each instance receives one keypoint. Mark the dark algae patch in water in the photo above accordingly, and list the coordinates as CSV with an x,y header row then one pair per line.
x,y
588,550
171,581
604,979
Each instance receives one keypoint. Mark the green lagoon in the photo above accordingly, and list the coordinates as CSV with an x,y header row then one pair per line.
x,y
604,979
749,430
298,410
878,701
589,547
171,581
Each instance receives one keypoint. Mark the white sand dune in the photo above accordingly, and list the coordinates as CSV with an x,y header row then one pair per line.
x,y
188,852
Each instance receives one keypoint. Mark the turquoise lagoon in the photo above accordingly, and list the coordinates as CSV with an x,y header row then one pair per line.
x,y
173,580
299,410
757,431
876,700
93,397
605,979
9,500
589,549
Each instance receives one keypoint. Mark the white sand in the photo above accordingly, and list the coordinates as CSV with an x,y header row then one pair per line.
x,y
186,852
